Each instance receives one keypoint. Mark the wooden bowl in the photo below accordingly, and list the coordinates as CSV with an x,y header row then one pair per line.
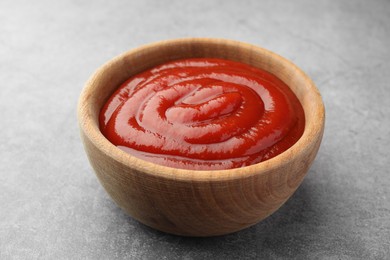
x,y
189,202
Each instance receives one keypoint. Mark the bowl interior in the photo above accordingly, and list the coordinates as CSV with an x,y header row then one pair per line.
x,y
108,78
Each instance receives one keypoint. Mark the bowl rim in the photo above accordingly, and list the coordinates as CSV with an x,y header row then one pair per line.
x,y
91,129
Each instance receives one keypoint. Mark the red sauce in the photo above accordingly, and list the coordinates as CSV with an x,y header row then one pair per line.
x,y
203,114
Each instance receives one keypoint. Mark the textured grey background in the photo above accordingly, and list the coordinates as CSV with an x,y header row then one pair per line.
x,y
51,204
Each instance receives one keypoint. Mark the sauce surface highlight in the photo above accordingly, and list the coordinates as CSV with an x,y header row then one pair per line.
x,y
203,114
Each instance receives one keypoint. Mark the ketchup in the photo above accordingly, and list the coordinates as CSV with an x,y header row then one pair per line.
x,y
203,114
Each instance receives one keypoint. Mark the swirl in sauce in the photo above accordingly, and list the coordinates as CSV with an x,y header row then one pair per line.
x,y
203,114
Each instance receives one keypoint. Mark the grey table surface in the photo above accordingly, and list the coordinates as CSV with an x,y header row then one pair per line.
x,y
51,204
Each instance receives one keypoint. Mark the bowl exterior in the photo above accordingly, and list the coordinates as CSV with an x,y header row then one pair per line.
x,y
198,208
188,205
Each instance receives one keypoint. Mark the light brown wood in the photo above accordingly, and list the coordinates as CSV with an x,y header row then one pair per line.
x,y
198,203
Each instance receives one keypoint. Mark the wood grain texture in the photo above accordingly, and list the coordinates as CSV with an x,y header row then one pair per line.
x,y
198,203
